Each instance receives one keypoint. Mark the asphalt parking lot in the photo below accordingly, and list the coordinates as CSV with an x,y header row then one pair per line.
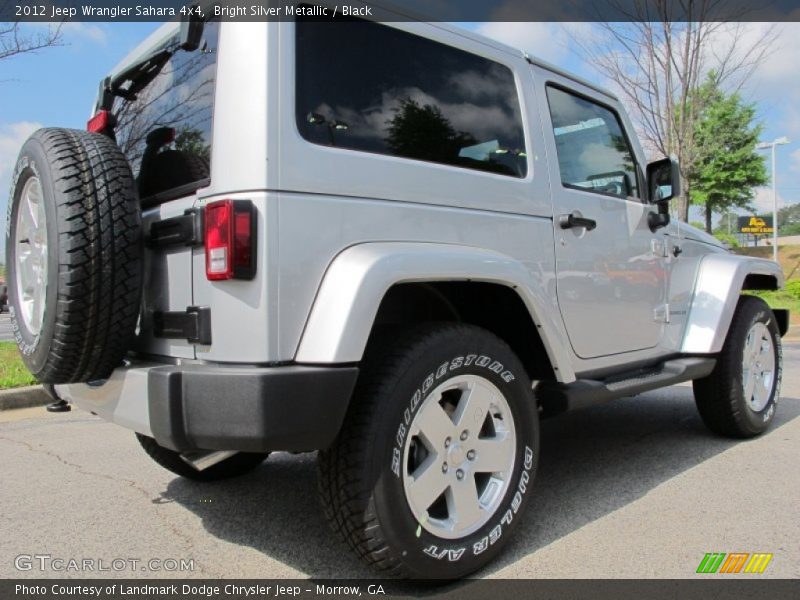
x,y
636,488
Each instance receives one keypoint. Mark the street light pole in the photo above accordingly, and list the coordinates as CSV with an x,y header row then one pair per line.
x,y
774,207
762,146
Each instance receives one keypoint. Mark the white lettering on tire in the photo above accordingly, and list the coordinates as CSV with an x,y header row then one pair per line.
x,y
486,362
443,369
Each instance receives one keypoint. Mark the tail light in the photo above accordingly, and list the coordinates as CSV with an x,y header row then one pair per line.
x,y
100,122
230,240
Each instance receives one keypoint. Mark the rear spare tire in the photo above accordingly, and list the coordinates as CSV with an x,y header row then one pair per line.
x,y
73,254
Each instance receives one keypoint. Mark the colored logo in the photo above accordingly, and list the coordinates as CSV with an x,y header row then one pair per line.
x,y
735,562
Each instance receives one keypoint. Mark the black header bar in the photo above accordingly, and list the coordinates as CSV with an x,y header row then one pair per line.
x,y
404,10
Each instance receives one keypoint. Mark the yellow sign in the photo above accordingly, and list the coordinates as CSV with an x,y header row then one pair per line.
x,y
756,225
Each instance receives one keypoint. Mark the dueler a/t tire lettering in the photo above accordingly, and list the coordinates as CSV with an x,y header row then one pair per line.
x,y
361,477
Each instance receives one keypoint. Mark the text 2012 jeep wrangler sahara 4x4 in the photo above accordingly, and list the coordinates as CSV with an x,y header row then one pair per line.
x,y
398,244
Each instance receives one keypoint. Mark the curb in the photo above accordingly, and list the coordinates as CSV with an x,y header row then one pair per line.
x,y
25,397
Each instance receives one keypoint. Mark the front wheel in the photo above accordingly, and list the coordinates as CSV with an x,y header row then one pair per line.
x,y
434,464
739,397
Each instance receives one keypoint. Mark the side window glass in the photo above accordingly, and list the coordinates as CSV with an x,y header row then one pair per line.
x,y
373,88
593,152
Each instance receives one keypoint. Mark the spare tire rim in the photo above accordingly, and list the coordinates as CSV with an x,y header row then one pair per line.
x,y
31,255
758,367
459,457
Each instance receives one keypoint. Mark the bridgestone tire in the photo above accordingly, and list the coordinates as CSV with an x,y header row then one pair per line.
x,y
720,397
362,478
236,465
93,256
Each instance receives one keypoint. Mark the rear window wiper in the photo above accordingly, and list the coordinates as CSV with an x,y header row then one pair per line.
x,y
139,75
142,73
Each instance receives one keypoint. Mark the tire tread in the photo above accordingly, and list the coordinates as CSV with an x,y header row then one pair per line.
x,y
99,256
717,395
343,475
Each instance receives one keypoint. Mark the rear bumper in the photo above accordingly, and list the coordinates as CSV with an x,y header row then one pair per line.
x,y
204,407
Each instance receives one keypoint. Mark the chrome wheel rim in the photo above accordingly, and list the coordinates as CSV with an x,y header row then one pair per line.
x,y
758,367
459,456
31,255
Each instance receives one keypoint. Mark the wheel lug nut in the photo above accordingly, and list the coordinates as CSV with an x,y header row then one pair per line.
x,y
447,442
444,467
464,435
471,455
460,474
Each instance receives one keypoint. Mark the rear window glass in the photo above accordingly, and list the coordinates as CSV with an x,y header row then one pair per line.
x,y
369,87
165,131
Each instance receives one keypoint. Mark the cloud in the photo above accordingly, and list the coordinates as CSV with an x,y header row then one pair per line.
x,y
795,157
763,200
75,32
774,84
12,136
548,41
11,139
779,68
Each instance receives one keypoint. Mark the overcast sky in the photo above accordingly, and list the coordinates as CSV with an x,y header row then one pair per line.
x,y
55,87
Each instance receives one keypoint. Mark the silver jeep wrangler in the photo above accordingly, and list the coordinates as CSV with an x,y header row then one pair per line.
x,y
400,245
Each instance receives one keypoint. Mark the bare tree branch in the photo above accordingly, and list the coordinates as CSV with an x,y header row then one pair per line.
x,y
657,62
14,41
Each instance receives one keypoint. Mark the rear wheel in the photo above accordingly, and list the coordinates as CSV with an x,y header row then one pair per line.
x,y
236,465
434,463
738,399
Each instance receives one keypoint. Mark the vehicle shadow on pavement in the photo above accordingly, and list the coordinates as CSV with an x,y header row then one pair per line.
x,y
592,463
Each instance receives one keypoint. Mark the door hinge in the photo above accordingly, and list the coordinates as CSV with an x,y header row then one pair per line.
x,y
661,314
183,230
192,325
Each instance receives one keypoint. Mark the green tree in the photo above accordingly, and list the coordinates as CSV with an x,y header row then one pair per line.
x,y
789,220
191,141
423,132
728,223
727,238
727,166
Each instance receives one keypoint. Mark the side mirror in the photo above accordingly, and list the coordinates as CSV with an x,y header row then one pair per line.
x,y
663,180
663,184
191,32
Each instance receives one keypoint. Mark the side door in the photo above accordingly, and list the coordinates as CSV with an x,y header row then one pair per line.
x,y
610,268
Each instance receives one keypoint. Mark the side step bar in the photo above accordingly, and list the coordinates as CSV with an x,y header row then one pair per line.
x,y
556,398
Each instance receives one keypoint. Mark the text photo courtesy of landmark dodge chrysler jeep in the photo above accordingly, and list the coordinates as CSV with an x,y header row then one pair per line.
x,y
398,244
